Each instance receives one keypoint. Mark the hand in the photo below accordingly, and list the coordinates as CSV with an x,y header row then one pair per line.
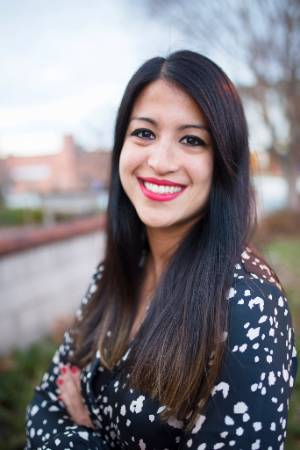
x,y
70,394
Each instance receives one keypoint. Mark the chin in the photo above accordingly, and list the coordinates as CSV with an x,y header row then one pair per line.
x,y
152,220
157,222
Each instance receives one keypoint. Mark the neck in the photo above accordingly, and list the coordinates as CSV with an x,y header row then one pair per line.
x,y
162,243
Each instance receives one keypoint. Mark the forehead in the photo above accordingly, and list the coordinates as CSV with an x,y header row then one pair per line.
x,y
162,98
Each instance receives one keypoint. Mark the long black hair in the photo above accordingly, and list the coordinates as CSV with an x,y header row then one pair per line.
x,y
177,353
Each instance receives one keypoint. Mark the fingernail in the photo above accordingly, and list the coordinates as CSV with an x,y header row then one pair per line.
x,y
59,381
63,370
74,369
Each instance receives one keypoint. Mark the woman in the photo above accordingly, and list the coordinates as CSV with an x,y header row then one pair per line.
x,y
184,339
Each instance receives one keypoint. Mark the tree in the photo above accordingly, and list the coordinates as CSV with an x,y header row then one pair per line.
x,y
263,37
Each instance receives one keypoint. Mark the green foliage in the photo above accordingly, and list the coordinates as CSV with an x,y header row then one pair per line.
x,y
20,216
29,216
19,373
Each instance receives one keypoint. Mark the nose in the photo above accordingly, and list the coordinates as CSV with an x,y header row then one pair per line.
x,y
162,158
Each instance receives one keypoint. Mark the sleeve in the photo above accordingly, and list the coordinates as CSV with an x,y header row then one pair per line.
x,y
248,406
46,416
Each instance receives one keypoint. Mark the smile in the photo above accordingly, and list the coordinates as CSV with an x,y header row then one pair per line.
x,y
160,192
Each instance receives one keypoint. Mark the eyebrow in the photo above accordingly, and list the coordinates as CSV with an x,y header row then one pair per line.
x,y
182,127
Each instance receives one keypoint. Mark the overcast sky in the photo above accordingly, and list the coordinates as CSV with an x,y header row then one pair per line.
x,y
65,65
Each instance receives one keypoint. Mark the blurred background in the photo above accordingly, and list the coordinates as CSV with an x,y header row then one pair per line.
x,y
64,67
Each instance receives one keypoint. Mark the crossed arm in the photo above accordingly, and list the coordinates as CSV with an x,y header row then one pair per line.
x,y
57,412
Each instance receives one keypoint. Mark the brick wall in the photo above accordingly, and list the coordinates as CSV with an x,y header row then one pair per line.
x,y
70,170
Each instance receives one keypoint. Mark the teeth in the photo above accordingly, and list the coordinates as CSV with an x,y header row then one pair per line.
x,y
162,189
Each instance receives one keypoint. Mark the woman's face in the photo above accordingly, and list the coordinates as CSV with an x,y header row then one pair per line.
x,y
167,143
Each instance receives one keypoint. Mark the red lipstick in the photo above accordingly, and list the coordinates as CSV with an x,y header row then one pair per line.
x,y
161,182
156,195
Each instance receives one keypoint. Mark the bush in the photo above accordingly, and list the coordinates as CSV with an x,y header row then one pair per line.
x,y
19,373
20,216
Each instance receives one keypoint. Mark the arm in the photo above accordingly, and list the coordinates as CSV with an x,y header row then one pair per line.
x,y
46,415
248,407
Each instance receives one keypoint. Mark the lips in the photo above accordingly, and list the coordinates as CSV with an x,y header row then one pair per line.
x,y
154,194
161,182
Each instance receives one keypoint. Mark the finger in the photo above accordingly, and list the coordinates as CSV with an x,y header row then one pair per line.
x,y
74,376
75,372
66,375
64,368
71,398
70,395
70,391
74,402
67,385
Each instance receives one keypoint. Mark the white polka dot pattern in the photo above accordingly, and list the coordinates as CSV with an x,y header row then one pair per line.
x,y
248,406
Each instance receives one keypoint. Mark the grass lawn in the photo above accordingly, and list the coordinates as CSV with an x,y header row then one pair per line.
x,y
22,370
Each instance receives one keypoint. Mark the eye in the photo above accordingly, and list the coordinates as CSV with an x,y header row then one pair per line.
x,y
193,141
143,133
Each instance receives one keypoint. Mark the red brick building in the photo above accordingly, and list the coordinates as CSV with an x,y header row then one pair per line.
x,y
71,170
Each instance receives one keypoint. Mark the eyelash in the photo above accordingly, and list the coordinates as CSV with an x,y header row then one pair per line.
x,y
199,141
139,130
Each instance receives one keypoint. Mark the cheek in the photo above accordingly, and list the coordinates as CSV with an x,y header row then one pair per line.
x,y
201,171
128,163
122,164
125,163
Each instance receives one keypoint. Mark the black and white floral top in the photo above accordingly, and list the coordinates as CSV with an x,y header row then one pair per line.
x,y
248,406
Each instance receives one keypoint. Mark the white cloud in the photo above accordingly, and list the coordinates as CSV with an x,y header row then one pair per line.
x,y
23,144
65,64
66,69
70,109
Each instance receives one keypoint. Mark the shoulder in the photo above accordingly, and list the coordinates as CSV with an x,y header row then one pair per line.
x,y
259,321
255,282
255,291
257,307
